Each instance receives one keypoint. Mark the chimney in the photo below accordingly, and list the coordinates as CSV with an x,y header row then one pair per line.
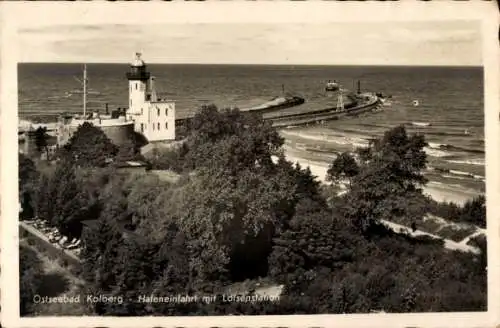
x,y
152,89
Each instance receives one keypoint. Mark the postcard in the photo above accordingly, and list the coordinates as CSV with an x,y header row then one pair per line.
x,y
250,164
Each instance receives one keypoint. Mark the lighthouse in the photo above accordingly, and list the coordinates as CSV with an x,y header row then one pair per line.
x,y
153,117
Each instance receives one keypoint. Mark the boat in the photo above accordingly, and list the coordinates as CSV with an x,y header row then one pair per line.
x,y
416,103
332,86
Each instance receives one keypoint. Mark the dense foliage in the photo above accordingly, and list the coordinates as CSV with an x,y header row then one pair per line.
x,y
388,180
41,140
89,147
28,176
473,211
30,276
343,167
240,212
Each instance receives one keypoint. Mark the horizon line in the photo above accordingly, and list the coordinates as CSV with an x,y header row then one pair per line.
x,y
255,64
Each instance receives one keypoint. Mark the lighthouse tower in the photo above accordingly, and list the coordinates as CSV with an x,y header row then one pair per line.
x,y
153,117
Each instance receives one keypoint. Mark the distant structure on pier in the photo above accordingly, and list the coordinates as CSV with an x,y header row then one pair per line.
x,y
340,100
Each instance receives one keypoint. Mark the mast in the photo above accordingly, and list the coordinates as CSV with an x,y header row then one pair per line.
x,y
84,89
283,89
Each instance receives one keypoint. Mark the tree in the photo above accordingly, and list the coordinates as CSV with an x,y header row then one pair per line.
x,y
65,201
89,147
170,158
101,245
128,151
474,211
316,237
44,196
27,177
41,140
27,172
231,139
343,167
238,215
30,276
389,180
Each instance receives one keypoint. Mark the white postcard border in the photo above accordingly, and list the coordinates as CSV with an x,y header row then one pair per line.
x,y
16,14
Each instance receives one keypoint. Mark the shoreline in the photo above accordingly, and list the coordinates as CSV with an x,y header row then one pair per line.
x,y
436,190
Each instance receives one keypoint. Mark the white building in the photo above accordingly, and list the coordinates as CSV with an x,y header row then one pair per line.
x,y
153,117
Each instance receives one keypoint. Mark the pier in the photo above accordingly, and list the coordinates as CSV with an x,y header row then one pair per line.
x,y
369,103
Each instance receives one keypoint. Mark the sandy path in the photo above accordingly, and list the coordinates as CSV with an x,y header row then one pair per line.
x,y
448,244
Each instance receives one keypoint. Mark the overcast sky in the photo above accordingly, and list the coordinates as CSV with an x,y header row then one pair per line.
x,y
378,43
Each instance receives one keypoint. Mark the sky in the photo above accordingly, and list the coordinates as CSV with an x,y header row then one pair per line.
x,y
453,43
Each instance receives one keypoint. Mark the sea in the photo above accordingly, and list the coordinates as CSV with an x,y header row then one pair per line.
x,y
450,110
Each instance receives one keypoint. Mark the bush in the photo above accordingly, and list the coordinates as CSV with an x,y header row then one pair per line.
x,y
472,212
457,235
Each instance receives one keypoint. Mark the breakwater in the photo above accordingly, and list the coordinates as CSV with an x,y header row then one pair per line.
x,y
370,103
327,114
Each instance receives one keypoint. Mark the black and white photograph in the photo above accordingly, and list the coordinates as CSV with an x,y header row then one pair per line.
x,y
197,168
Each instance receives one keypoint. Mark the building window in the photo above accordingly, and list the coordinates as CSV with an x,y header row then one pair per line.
x,y
142,127
136,86
158,110
158,126
166,111
153,126
141,111
166,125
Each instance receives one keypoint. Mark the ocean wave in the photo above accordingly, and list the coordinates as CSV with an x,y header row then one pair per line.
x,y
436,152
468,176
440,146
420,124
331,153
446,134
339,139
450,173
477,161
453,177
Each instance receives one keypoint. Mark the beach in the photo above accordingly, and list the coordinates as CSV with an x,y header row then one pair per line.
x,y
438,191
